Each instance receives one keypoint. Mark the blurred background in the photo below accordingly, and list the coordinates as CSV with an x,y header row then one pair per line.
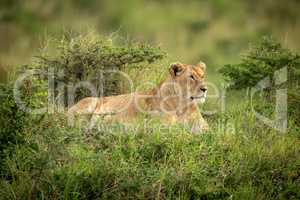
x,y
214,31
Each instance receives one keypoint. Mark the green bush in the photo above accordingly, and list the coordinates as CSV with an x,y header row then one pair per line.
x,y
262,61
12,122
80,58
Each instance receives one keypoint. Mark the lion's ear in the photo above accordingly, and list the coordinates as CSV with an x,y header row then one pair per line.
x,y
176,69
202,65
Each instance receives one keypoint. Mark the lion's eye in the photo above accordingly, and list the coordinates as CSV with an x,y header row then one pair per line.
x,y
192,77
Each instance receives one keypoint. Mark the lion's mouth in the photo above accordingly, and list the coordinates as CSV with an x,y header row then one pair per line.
x,y
197,97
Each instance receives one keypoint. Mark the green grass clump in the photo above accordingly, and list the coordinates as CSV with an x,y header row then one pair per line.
x,y
250,162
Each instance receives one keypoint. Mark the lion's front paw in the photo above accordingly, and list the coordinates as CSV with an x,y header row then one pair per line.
x,y
199,127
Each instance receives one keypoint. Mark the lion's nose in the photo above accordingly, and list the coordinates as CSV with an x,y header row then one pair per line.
x,y
203,89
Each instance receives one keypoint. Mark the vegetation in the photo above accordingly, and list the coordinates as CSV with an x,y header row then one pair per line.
x,y
263,61
91,58
213,31
239,158
56,163
12,122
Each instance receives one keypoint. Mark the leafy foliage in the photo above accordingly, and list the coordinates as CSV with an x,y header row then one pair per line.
x,y
260,62
12,122
91,58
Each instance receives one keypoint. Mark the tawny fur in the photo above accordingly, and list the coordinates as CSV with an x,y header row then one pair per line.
x,y
172,100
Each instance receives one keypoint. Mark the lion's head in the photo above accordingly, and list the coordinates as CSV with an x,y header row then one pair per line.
x,y
190,79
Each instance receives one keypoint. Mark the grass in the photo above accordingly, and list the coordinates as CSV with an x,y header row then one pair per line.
x,y
237,159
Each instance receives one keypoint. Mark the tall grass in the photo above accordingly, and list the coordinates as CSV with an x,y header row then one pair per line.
x,y
239,158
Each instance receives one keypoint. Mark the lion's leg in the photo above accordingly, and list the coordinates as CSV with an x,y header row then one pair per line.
x,y
93,121
84,107
194,119
199,125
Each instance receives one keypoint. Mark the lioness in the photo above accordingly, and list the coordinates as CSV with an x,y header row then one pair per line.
x,y
173,100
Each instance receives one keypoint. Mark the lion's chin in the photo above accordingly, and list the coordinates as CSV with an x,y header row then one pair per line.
x,y
201,100
198,99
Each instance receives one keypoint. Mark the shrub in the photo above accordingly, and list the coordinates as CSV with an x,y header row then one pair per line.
x,y
80,58
12,121
261,61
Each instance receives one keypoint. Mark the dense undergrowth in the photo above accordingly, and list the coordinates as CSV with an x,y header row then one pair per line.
x,y
58,162
42,157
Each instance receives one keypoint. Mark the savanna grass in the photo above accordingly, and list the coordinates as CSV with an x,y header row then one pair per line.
x,y
244,162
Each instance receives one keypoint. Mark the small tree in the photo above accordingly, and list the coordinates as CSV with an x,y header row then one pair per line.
x,y
261,61
82,57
